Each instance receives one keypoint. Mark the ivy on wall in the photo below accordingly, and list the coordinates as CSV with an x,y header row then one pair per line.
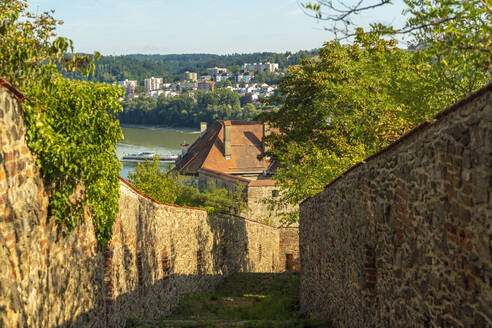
x,y
75,140
71,126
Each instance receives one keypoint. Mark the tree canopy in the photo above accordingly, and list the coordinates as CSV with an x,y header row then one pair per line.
x,y
350,101
187,109
457,32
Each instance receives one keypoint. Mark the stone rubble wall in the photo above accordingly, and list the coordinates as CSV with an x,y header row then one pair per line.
x,y
289,246
404,239
255,196
45,280
158,253
260,210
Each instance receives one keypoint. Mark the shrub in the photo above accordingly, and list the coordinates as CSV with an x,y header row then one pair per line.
x,y
167,186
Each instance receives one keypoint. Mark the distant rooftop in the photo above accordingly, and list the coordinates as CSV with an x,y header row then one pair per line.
x,y
208,152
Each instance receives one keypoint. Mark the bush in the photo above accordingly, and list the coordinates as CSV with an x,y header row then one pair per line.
x,y
169,187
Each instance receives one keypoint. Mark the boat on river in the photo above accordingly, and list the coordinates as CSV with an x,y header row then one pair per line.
x,y
149,156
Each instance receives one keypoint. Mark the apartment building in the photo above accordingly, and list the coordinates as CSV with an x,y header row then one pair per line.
x,y
190,76
260,67
206,85
153,83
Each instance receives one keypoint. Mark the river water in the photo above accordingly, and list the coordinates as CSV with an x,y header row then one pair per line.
x,y
158,140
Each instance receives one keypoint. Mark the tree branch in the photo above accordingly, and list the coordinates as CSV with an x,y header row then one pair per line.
x,y
487,7
343,13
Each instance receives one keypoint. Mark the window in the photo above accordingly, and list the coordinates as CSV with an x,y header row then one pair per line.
x,y
289,262
139,265
199,264
165,263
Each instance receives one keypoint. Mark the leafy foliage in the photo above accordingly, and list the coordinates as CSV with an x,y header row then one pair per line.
x,y
75,140
357,98
187,109
348,103
71,126
151,179
458,34
167,186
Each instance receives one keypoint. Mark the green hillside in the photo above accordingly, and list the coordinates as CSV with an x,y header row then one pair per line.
x,y
171,67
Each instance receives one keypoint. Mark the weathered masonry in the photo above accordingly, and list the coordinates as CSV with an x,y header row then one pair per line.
x,y
404,239
157,253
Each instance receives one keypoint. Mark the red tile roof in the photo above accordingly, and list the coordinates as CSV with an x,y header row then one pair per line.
x,y
208,151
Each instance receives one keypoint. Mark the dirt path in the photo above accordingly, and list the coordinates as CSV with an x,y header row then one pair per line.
x,y
242,300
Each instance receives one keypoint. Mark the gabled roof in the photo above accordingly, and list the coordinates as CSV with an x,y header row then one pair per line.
x,y
208,151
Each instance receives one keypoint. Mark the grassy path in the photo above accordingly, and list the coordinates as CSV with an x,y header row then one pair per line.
x,y
243,300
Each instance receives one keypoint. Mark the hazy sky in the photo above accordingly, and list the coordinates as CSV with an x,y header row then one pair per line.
x,y
190,26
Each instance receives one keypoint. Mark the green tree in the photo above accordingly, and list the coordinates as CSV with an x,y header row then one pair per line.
x,y
250,112
71,126
153,180
457,31
140,89
345,105
186,109
167,186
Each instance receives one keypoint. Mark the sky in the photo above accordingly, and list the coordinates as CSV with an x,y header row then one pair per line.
x,y
115,27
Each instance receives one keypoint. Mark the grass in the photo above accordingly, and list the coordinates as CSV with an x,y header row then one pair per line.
x,y
242,300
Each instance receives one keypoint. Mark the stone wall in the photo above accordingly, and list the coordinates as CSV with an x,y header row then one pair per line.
x,y
289,249
45,280
255,192
258,207
404,239
159,253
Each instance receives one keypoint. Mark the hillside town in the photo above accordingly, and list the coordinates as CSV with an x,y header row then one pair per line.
x,y
241,82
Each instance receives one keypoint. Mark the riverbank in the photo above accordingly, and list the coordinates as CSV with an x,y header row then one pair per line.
x,y
163,140
183,129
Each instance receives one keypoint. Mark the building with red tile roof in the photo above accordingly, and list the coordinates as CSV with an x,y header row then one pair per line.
x,y
227,154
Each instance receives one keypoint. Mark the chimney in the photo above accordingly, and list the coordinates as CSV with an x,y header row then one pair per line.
x,y
203,128
227,139
184,148
266,132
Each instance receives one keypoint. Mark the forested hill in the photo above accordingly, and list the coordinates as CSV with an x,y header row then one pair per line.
x,y
171,67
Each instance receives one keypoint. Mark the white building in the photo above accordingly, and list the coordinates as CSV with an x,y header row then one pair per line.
x,y
127,84
216,71
221,77
260,67
270,67
153,83
244,77
169,93
155,93
218,74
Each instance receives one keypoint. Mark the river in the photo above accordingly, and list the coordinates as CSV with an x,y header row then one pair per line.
x,y
159,140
